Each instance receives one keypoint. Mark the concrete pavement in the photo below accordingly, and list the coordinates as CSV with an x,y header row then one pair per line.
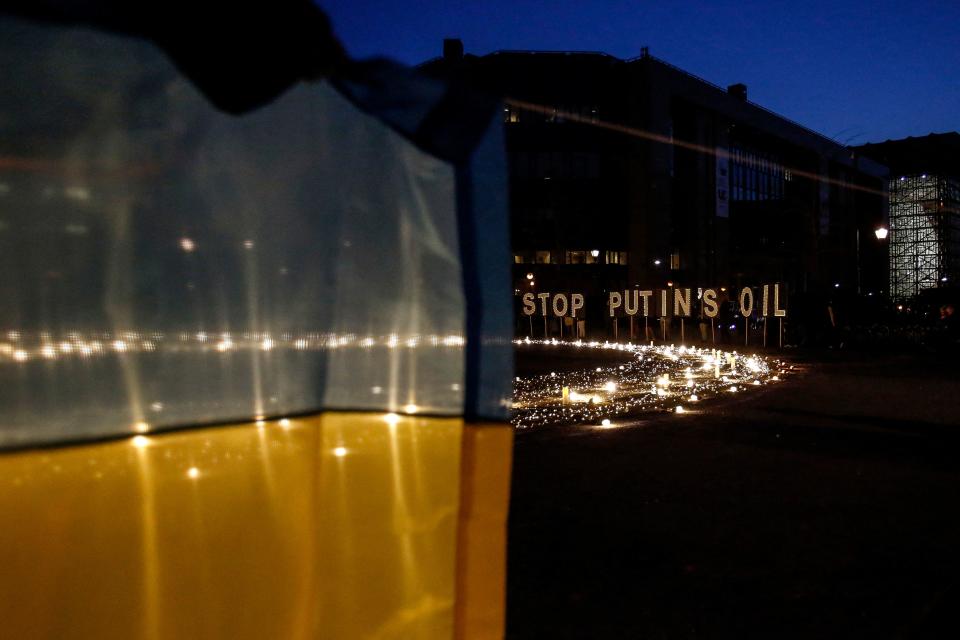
x,y
826,506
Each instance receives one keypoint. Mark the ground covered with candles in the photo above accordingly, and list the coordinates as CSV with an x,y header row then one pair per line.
x,y
821,506
630,380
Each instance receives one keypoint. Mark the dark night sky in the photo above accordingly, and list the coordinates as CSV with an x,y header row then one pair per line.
x,y
858,71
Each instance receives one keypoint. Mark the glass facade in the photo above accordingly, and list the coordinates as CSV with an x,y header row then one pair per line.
x,y
924,233
756,175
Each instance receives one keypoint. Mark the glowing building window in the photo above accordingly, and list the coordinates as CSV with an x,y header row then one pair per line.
x,y
616,257
592,256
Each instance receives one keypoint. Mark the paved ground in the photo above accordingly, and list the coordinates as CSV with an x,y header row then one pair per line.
x,y
824,507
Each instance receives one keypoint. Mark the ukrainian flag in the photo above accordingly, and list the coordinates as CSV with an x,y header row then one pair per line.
x,y
255,369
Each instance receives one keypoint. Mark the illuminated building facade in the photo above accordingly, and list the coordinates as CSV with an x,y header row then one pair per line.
x,y
924,190
636,173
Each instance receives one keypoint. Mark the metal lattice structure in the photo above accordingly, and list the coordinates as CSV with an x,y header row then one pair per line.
x,y
924,233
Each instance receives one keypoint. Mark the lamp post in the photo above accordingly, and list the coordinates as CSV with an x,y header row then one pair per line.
x,y
858,261
881,234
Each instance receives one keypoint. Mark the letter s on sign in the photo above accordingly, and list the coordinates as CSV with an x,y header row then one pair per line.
x,y
528,306
710,307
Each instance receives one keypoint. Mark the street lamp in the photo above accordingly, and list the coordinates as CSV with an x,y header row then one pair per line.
x,y
881,233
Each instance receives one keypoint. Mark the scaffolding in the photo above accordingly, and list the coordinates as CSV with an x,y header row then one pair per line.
x,y
924,233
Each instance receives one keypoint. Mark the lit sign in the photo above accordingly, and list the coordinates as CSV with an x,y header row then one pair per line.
x,y
768,300
557,304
